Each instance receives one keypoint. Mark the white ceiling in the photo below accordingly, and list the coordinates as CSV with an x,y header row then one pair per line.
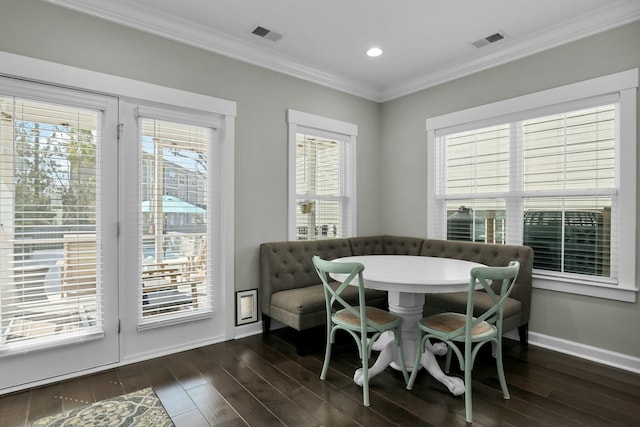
x,y
425,42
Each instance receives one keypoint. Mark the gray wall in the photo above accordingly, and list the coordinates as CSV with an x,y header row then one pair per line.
x,y
591,321
391,142
41,30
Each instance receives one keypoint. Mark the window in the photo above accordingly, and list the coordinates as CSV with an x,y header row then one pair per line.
x,y
173,230
51,269
321,177
558,176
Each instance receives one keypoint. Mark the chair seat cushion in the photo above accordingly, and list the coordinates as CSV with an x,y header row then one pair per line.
x,y
381,317
457,302
449,322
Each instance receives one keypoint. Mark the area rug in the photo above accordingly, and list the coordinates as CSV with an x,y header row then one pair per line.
x,y
138,409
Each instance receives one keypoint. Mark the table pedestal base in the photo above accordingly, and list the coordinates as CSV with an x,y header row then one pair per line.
x,y
408,306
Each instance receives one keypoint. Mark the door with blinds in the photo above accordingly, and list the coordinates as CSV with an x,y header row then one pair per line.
x,y
58,252
170,242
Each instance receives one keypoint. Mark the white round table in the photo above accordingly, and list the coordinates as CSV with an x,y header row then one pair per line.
x,y
407,279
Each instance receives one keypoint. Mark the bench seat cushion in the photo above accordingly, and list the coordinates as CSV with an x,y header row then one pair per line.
x,y
303,308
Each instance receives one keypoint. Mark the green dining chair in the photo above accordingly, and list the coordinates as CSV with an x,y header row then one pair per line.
x,y
365,324
472,331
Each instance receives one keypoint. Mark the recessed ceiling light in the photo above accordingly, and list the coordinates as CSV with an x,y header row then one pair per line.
x,y
374,51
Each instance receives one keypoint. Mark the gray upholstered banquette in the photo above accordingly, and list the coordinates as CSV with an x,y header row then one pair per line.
x,y
291,292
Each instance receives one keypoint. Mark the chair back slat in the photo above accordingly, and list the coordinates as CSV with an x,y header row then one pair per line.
x,y
334,295
487,277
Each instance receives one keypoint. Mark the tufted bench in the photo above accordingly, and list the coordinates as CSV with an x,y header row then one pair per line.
x,y
292,294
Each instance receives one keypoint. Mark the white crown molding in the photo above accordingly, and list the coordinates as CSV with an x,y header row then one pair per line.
x,y
598,21
170,27
152,21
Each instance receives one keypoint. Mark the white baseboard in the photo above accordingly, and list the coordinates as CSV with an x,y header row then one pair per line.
x,y
583,351
248,330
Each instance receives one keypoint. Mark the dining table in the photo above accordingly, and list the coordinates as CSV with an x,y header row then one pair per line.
x,y
407,280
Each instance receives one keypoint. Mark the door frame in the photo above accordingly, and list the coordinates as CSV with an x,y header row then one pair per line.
x,y
12,65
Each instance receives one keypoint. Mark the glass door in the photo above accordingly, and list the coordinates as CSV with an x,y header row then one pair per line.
x,y
58,211
170,243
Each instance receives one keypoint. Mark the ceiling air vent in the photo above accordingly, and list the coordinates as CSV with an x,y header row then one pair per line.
x,y
266,34
489,39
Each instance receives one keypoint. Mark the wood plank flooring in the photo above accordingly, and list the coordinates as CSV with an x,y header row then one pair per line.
x,y
261,381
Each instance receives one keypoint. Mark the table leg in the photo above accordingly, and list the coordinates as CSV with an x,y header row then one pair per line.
x,y
387,356
429,362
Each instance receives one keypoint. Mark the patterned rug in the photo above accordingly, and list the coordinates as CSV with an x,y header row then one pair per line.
x,y
138,409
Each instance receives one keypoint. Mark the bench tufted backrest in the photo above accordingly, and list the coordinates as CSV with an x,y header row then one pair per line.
x,y
385,245
289,265
492,255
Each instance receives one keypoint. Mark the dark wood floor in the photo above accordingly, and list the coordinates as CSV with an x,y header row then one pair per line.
x,y
261,381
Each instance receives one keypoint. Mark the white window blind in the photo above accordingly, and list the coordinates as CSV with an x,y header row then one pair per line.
x,y
475,162
478,161
174,204
572,172
570,151
50,258
319,187
549,182
570,159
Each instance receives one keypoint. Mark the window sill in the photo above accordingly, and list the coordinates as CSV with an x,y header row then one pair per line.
x,y
591,289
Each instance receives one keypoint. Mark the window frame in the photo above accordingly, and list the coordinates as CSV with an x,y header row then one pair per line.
x,y
299,122
564,98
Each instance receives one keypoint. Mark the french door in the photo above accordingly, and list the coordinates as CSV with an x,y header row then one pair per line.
x,y
170,230
111,235
58,247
